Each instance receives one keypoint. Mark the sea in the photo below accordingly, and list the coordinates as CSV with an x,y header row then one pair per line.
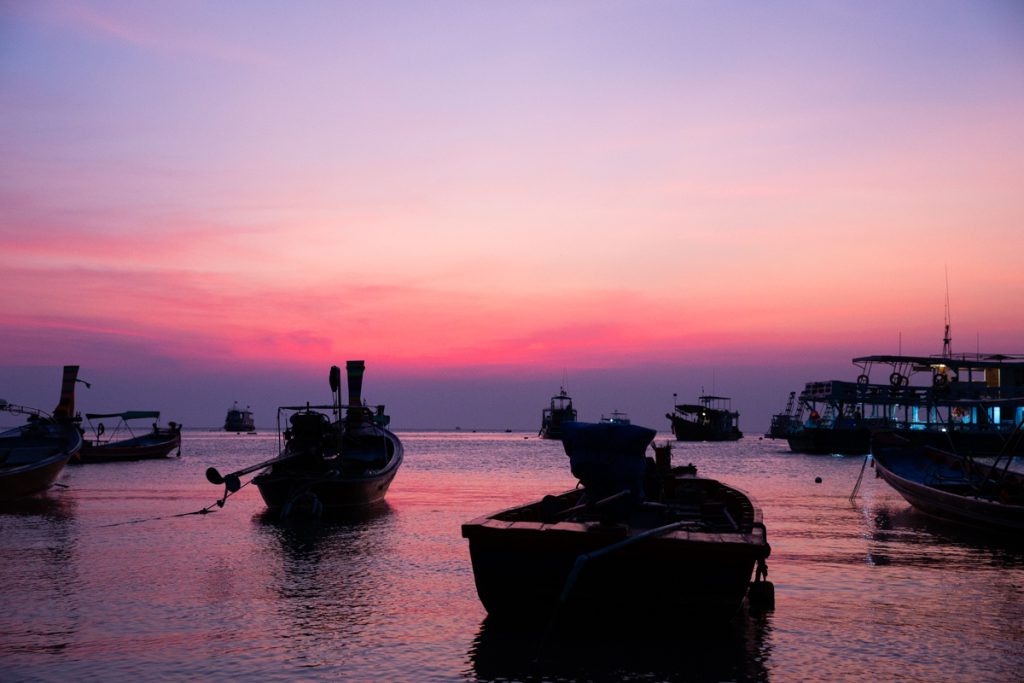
x,y
131,571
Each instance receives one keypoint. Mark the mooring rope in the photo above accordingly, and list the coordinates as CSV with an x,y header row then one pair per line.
x,y
202,511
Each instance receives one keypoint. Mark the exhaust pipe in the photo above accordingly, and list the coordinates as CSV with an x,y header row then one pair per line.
x,y
355,369
65,410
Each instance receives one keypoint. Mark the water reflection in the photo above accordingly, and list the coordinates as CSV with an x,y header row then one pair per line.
x,y
328,576
904,535
740,650
38,541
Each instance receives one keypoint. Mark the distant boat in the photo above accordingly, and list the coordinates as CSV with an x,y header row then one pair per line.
x,y
710,419
122,442
785,422
638,544
239,420
560,410
332,457
616,417
983,493
33,455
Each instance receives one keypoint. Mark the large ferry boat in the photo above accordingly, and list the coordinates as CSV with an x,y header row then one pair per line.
x,y
970,402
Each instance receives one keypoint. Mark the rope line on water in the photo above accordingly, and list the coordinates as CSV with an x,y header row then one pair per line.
x,y
202,511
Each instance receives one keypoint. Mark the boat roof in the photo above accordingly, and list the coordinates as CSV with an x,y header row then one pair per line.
x,y
127,415
996,360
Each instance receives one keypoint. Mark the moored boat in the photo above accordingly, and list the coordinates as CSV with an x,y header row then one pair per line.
x,y
967,402
984,493
616,417
710,419
331,457
639,539
785,422
239,420
561,410
33,455
123,443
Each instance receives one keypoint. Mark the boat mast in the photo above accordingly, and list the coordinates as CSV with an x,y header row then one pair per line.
x,y
947,351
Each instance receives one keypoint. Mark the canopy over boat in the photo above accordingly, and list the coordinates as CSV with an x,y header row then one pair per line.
x,y
126,415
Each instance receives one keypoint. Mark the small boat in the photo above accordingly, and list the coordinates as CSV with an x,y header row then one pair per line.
x,y
239,420
33,455
121,443
331,458
984,493
617,417
710,419
560,411
640,539
785,422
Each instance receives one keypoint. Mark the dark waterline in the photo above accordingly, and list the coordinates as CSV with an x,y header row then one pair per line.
x,y
101,580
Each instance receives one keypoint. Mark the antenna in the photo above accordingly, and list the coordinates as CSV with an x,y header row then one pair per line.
x,y
947,351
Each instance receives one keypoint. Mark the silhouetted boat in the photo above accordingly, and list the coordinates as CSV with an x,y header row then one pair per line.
x,y
984,493
710,419
560,411
970,402
785,422
966,403
239,420
639,539
121,442
617,417
33,455
332,457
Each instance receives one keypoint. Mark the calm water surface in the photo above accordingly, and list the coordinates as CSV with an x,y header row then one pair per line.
x,y
108,579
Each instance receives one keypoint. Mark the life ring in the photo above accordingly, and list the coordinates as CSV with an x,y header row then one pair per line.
x,y
897,380
863,379
940,379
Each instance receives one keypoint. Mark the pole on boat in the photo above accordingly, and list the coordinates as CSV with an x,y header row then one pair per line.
x,y
232,482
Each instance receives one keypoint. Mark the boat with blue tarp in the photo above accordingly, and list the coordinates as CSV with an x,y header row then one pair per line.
x,y
638,539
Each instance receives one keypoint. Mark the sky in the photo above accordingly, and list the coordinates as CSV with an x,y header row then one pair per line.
x,y
209,202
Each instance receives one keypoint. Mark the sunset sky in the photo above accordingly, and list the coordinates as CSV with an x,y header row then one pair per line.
x,y
203,202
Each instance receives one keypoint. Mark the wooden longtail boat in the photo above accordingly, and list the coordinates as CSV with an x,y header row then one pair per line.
x,y
984,493
121,443
33,455
331,458
640,538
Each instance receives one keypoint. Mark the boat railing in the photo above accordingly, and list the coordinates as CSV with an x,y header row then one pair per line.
x,y
15,409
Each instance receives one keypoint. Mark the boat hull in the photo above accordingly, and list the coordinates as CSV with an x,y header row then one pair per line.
x,y
916,473
830,440
520,573
142,448
322,493
686,430
32,464
675,561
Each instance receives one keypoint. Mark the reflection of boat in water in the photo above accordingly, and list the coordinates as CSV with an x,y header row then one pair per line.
x,y
710,419
121,443
737,651
954,487
638,538
239,420
560,410
33,455
963,402
329,461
